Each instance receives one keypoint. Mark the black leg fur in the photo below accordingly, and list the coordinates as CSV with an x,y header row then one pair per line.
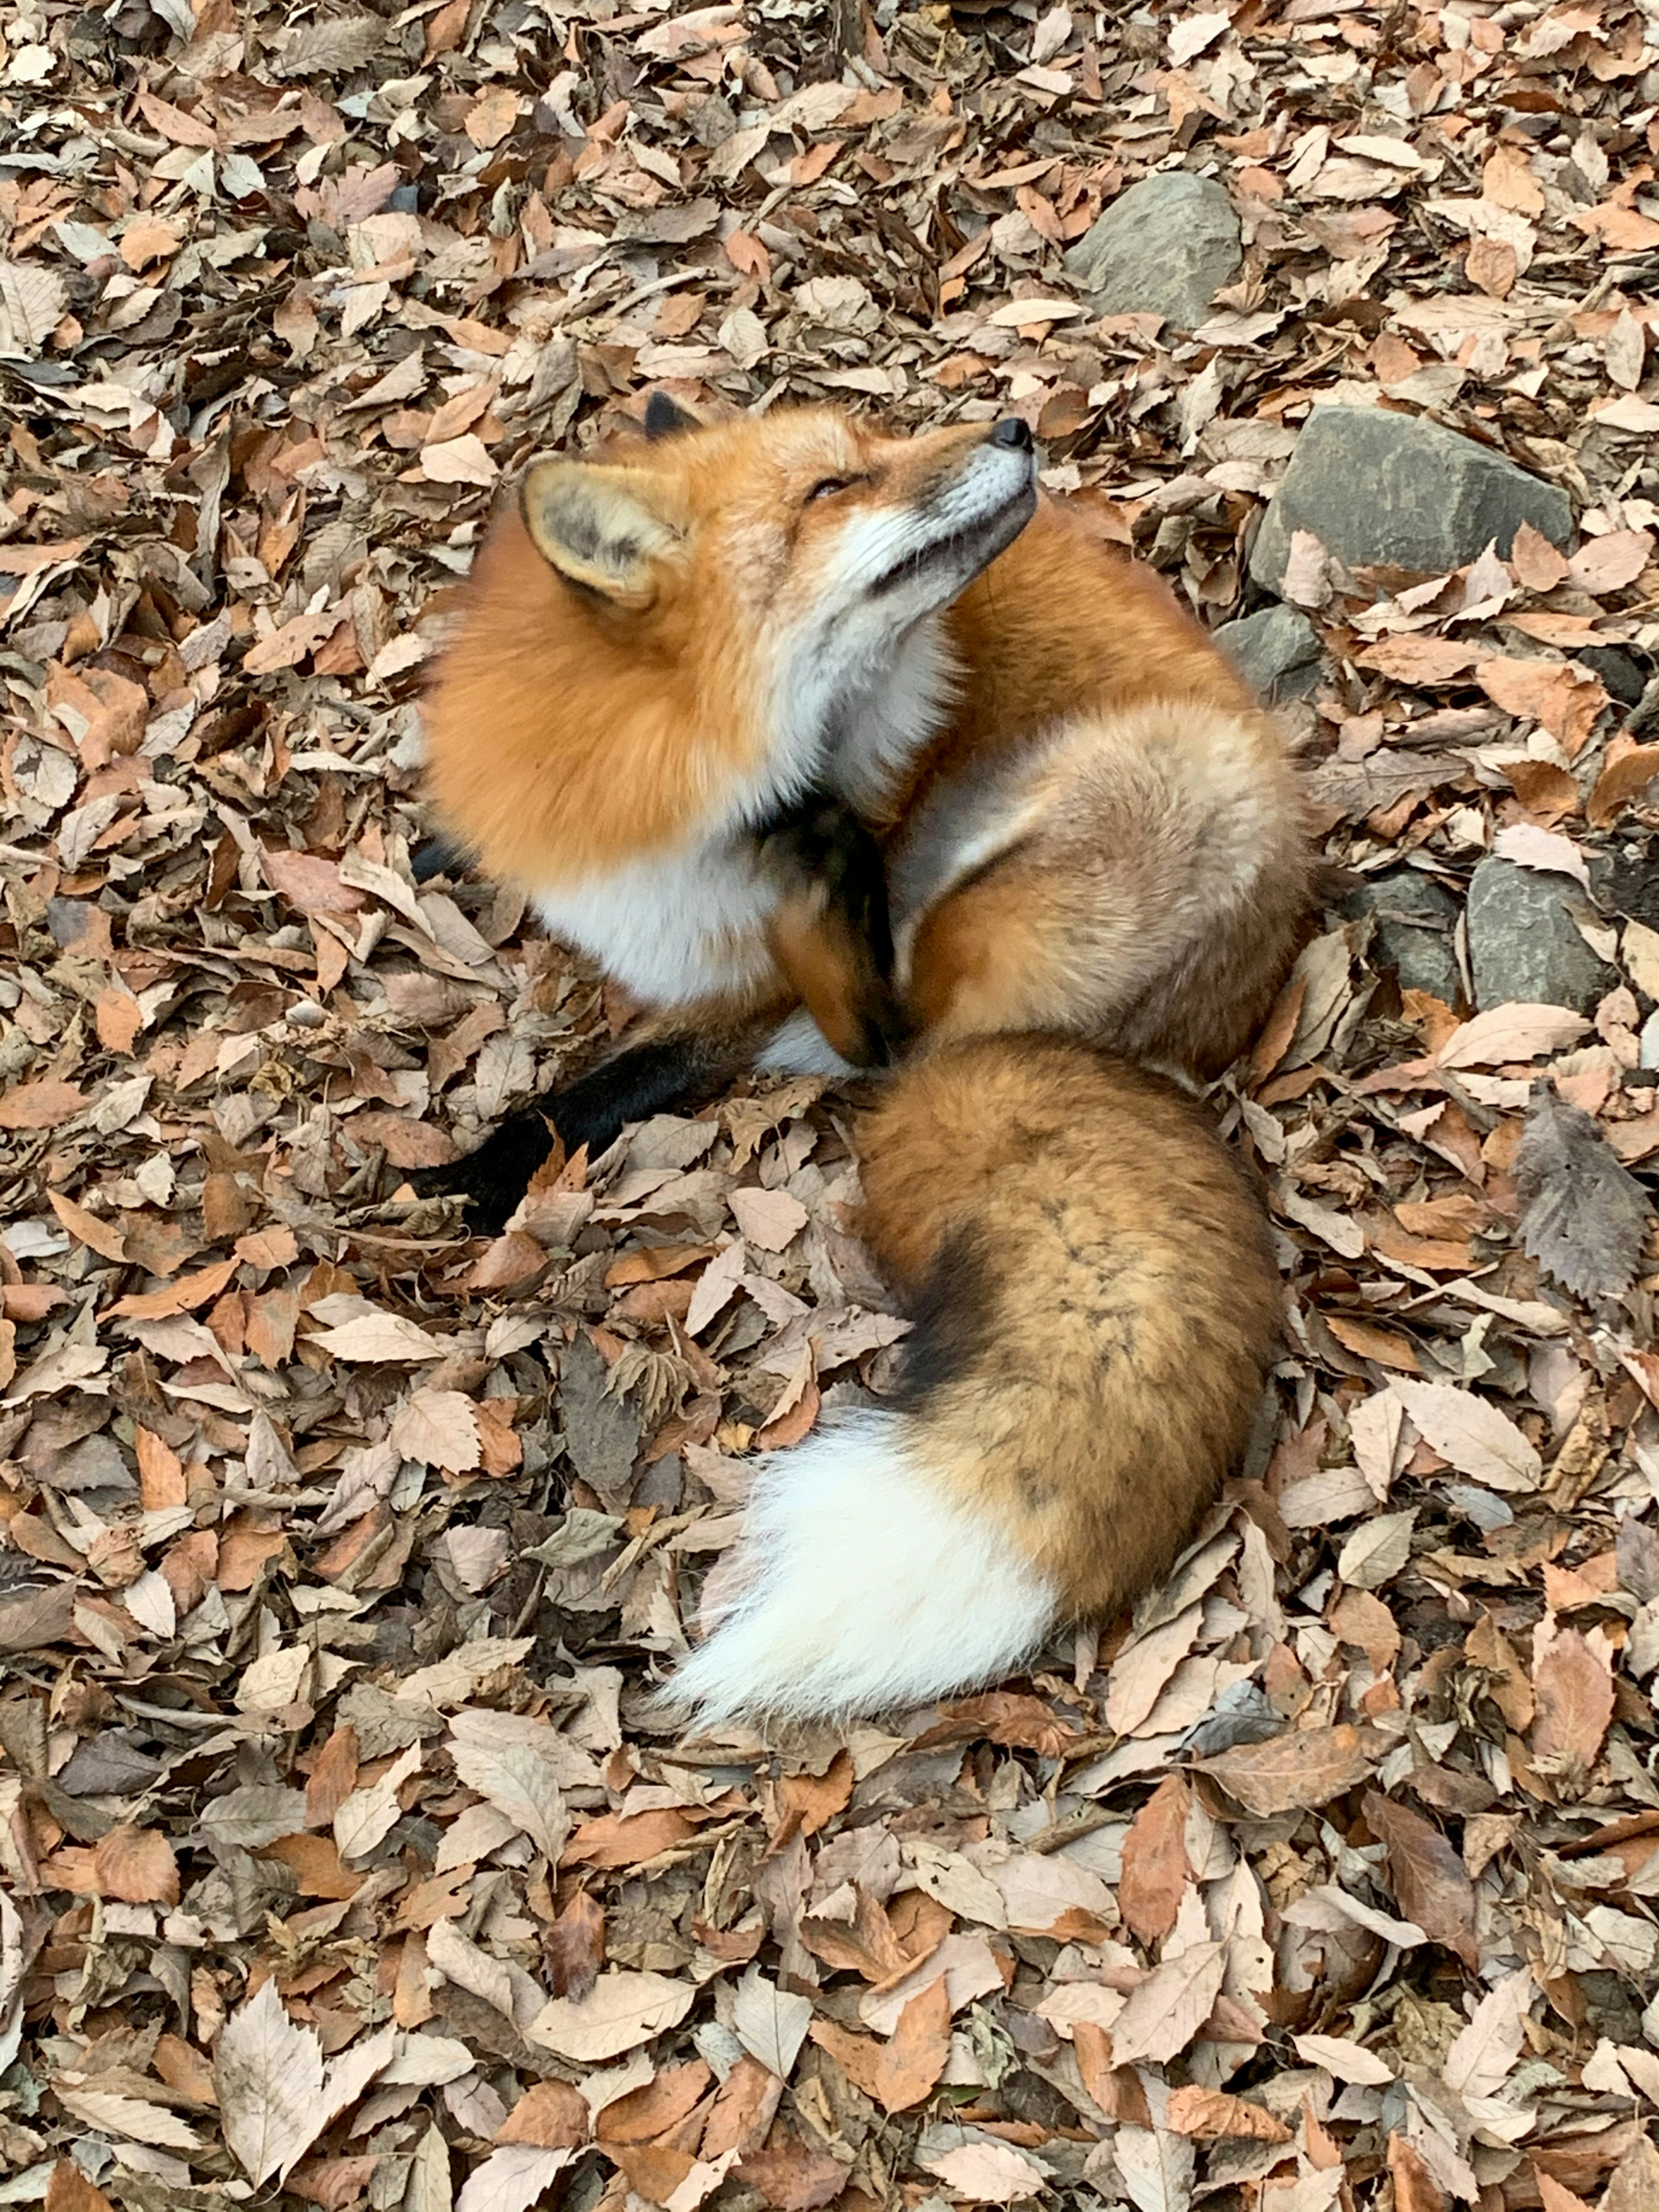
x,y
821,841
640,1080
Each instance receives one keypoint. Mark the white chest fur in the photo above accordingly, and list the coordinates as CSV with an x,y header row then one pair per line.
x,y
691,924
676,927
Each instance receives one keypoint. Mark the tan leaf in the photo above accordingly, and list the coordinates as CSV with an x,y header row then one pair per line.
x,y
913,2058
41,1104
771,1218
987,2172
1471,1432
770,2022
1575,1694
367,1816
1564,699
379,1336
1166,2011
511,1760
1609,563
1213,2117
268,2076
511,2178
439,1428
1349,2062
1523,1031
620,2011
134,2119
551,2115
1304,1768
1627,770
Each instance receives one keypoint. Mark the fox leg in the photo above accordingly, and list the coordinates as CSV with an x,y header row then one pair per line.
x,y
681,1066
831,935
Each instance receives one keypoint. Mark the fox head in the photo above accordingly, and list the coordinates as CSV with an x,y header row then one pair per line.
x,y
671,634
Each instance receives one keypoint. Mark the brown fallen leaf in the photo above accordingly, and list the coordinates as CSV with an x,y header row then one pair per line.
x,y
68,2189
550,2114
137,1866
913,2056
1304,1769
1213,2117
1575,1701
1415,2189
41,1104
1155,1869
792,2174
574,1947
644,2114
1564,699
1628,770
626,1839
1428,1876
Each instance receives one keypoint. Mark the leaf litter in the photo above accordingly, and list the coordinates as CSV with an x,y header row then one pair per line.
x,y
342,1854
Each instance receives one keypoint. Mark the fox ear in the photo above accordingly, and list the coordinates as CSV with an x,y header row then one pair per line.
x,y
666,418
607,529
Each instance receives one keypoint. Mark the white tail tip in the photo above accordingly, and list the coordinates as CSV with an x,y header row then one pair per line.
x,y
866,1586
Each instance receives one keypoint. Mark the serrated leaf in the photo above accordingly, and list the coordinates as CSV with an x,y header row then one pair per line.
x,y
1471,1432
1584,1215
268,2076
510,1760
511,2178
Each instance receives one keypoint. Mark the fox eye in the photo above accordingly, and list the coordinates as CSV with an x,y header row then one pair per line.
x,y
827,487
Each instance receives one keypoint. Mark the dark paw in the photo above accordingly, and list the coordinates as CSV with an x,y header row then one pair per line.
x,y
493,1179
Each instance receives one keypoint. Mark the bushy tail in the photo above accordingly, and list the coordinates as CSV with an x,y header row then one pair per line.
x,y
1096,1306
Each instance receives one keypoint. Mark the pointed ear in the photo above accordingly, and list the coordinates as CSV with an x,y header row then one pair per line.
x,y
609,529
666,418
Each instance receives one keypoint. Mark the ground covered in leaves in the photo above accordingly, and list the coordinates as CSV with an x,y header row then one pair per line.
x,y
341,1855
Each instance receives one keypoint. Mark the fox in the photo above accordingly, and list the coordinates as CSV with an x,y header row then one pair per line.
x,y
844,751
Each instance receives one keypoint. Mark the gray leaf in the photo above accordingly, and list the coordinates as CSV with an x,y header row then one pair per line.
x,y
1584,1214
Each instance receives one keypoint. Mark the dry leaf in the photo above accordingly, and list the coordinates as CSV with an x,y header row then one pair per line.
x,y
1584,1215
1479,1441
1155,1869
512,1761
770,2023
1304,1768
620,2010
1166,2011
268,2074
511,2178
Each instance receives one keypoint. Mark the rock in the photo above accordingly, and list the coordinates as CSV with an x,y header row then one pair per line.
x,y
1623,679
1524,944
1278,651
1415,917
1374,487
1166,247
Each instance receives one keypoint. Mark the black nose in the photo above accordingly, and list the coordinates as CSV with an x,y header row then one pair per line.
x,y
1013,433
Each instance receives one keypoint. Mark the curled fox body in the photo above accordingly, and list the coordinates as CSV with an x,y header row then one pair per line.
x,y
1090,838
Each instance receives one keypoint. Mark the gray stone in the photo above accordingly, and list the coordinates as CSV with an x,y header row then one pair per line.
x,y
1525,945
1166,247
1373,486
1278,651
1623,679
1415,917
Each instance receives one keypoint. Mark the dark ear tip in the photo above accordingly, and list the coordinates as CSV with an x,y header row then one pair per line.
x,y
666,418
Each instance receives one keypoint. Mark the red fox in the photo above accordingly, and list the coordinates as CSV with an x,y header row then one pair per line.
x,y
722,697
